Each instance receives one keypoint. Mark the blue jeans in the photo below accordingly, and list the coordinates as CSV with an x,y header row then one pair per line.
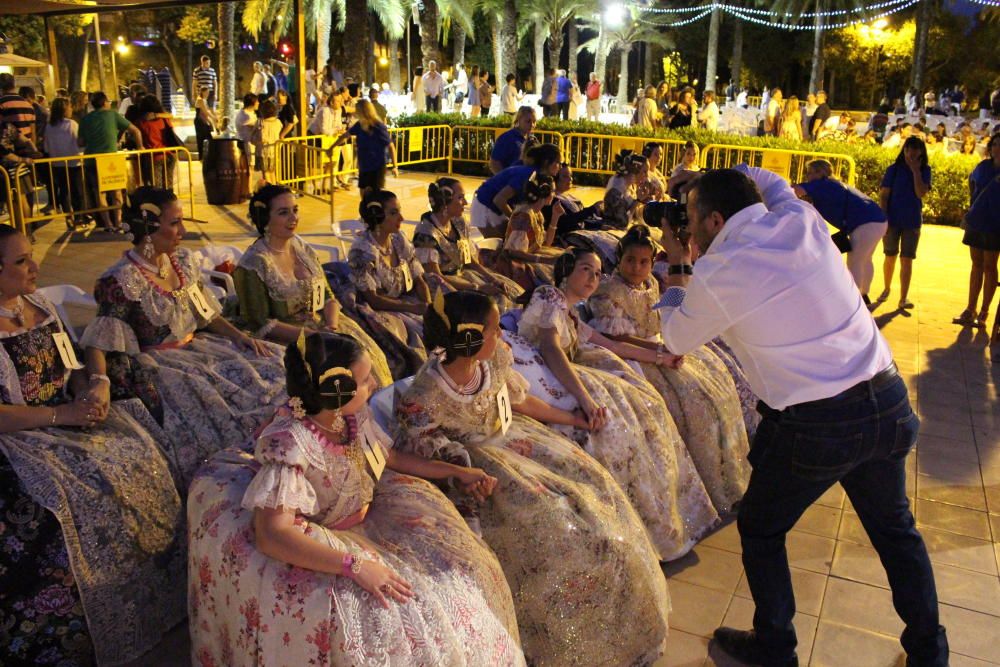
x,y
859,438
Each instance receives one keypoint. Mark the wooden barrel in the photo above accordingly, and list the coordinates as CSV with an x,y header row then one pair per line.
x,y
226,171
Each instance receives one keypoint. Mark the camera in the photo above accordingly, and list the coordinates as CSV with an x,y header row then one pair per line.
x,y
674,212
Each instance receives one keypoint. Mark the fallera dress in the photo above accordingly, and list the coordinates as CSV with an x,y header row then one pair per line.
x,y
575,553
525,233
268,296
213,395
640,445
700,394
246,608
91,524
373,269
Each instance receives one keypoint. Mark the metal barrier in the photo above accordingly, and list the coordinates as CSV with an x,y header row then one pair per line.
x,y
77,185
471,143
754,101
306,166
418,145
787,163
595,153
12,201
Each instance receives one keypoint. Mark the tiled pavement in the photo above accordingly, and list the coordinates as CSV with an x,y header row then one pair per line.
x,y
845,616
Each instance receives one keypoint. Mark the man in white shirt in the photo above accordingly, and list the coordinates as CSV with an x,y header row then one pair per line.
x,y
771,283
460,85
772,115
433,87
258,85
708,115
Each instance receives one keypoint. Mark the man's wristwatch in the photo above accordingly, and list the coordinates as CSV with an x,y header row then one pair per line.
x,y
679,269
351,564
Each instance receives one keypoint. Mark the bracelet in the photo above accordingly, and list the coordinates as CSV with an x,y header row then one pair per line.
x,y
678,269
99,377
52,422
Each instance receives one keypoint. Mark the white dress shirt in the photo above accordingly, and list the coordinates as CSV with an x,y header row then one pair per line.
x,y
774,286
709,116
433,84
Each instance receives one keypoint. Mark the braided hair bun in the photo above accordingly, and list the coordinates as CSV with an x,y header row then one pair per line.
x,y
260,205
538,187
455,323
143,210
441,192
318,370
372,208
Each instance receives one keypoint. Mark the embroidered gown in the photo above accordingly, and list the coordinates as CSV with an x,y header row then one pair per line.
x,y
372,269
445,248
246,608
91,525
214,395
267,296
576,555
525,233
640,445
700,394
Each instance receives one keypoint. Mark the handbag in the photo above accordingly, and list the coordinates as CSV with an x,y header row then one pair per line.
x,y
842,241
169,134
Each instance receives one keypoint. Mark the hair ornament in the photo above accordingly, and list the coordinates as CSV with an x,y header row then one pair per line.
x,y
374,204
259,204
295,405
438,306
330,372
300,344
151,208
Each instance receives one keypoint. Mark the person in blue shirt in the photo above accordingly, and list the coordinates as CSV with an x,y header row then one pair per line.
x,y
851,212
373,143
983,238
491,207
905,184
508,146
564,88
983,223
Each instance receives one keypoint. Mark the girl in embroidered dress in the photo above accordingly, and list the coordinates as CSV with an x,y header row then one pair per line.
x,y
528,254
700,393
90,560
655,185
576,555
308,553
632,434
448,254
622,205
390,293
154,319
281,285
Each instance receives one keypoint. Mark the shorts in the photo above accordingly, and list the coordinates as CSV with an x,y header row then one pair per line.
x,y
989,241
374,179
894,237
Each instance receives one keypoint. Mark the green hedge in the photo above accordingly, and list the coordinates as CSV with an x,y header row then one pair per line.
x,y
945,204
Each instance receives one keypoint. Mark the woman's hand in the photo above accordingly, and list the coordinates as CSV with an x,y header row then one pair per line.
x,y
557,210
254,345
78,413
913,162
664,358
597,416
476,483
418,309
382,583
99,395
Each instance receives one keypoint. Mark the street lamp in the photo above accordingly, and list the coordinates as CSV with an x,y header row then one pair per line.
x,y
121,47
614,15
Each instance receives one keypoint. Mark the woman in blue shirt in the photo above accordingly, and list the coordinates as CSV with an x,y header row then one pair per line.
x,y
851,212
982,235
905,183
491,207
984,218
373,141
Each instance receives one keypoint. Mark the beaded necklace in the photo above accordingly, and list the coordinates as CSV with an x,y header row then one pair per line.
x,y
145,268
16,313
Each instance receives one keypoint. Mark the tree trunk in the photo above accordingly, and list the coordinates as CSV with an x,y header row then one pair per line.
x,y
458,43
324,24
371,74
736,65
573,43
74,53
508,34
555,48
495,28
647,65
623,77
356,51
712,58
429,48
395,81
539,44
601,58
227,59
176,73
816,75
924,17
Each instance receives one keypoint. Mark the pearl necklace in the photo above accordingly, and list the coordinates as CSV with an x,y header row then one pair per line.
x,y
470,387
16,313
158,269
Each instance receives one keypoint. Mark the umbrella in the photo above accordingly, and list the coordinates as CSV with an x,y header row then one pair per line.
x,y
12,60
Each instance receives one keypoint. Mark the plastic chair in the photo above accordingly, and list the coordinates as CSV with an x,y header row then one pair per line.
x,y
383,403
332,252
211,257
63,295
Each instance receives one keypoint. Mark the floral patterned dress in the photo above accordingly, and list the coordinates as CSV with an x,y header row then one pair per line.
x,y
525,233
91,524
700,394
246,608
640,445
576,555
214,395
268,296
373,269
445,248
748,399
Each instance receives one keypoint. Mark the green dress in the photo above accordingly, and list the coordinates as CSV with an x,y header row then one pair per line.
x,y
267,296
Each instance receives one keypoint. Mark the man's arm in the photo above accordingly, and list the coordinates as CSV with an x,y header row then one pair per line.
x,y
775,190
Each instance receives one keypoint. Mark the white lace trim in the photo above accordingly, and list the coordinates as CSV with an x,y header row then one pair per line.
x,y
110,334
279,485
546,311
297,293
9,381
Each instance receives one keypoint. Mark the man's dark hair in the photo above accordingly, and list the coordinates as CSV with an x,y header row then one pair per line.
x,y
98,99
27,92
6,82
727,191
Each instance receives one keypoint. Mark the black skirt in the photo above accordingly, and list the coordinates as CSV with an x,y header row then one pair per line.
x,y
989,241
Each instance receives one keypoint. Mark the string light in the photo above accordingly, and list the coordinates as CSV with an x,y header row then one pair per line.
x,y
988,3
751,15
677,24
826,26
805,15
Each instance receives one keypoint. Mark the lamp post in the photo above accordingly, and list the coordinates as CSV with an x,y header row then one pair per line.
x,y
121,47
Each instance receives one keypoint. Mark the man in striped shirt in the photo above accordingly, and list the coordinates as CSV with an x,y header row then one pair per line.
x,y
205,76
16,110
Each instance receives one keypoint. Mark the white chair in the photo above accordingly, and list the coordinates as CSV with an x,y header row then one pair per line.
x,y
490,245
346,231
211,257
332,252
62,295
383,402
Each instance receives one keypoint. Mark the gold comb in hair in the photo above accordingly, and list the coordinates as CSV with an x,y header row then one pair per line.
x,y
330,372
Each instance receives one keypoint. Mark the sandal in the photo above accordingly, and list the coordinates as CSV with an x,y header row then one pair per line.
x,y
905,304
883,296
981,320
966,319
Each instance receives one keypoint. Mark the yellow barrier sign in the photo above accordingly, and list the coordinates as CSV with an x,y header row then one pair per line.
x,y
112,172
416,139
779,163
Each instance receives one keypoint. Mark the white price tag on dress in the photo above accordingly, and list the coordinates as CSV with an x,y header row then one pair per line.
x,y
465,251
66,352
318,295
200,303
503,407
404,268
372,450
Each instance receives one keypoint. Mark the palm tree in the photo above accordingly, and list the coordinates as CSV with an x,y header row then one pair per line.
x,y
429,48
711,61
227,57
925,16
456,18
554,15
797,10
623,38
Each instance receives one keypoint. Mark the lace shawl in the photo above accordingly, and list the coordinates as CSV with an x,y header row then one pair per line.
x,y
372,269
548,309
622,310
434,245
10,384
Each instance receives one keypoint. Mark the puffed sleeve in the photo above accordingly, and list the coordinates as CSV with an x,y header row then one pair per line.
x,y
281,481
518,236
363,274
517,385
110,331
547,310
609,315
426,247
254,301
406,253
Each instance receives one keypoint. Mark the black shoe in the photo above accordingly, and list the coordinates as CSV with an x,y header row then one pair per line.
x,y
742,645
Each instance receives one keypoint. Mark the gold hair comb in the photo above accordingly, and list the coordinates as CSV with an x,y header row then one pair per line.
x,y
300,344
152,208
330,372
438,306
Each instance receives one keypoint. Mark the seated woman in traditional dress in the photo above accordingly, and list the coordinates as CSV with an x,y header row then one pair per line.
x,y
449,256
317,552
654,188
622,205
281,285
571,366
388,280
157,325
494,200
575,554
527,254
699,393
91,559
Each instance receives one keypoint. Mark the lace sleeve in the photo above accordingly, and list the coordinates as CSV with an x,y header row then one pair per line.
x,y
110,334
518,237
363,274
547,310
406,253
609,317
425,246
503,365
281,480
